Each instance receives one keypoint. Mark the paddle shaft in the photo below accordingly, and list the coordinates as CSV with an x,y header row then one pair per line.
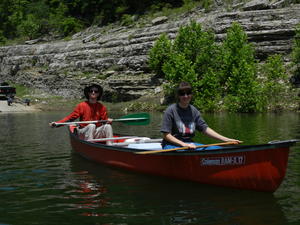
x,y
182,148
100,121
113,138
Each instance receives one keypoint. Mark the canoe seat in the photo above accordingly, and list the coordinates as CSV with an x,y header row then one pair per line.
x,y
146,146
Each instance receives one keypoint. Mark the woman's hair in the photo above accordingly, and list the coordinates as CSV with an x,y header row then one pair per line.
x,y
87,90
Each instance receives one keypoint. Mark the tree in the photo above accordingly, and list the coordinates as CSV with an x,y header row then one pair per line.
x,y
239,72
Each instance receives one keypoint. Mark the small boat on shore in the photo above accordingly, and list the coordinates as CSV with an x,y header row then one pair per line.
x,y
259,167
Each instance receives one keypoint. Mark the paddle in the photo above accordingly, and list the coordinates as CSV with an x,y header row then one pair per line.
x,y
130,119
182,148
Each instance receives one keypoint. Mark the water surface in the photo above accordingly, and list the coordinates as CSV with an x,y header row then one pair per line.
x,y
43,182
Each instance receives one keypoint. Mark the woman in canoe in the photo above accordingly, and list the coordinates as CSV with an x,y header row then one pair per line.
x,y
181,120
90,110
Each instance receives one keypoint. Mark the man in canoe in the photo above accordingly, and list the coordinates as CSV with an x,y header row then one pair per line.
x,y
181,120
90,110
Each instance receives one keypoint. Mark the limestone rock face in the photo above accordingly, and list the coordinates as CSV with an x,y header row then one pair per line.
x,y
118,58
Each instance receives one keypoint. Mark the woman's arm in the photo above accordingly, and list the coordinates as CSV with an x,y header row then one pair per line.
x,y
213,134
170,138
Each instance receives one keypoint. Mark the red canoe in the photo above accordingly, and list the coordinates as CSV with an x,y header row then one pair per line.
x,y
254,167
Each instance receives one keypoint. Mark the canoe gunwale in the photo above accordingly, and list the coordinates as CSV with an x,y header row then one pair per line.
x,y
227,149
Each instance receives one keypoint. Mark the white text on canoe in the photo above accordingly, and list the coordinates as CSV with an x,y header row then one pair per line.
x,y
221,161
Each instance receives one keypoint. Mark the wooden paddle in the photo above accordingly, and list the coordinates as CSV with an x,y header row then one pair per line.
x,y
112,138
130,119
182,148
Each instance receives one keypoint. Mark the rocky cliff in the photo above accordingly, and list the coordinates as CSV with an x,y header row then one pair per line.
x,y
117,58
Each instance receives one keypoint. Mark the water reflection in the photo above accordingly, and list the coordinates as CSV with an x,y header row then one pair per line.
x,y
255,128
251,128
134,198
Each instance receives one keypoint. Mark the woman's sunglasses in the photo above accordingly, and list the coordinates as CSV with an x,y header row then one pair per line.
x,y
183,93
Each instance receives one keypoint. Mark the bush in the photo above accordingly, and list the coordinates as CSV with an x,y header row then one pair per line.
x,y
296,57
219,74
2,38
274,87
30,27
69,26
178,69
191,57
159,54
239,72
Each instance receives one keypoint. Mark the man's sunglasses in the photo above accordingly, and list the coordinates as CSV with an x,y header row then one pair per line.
x,y
183,93
95,91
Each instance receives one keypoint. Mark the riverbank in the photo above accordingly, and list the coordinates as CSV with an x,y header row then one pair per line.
x,y
55,103
17,107
145,104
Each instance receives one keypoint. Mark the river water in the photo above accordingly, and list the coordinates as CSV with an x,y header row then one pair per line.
x,y
43,182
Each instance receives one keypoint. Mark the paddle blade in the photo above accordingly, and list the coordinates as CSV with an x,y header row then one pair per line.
x,y
135,119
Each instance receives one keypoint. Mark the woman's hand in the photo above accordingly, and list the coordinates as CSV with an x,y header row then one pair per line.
x,y
233,140
189,145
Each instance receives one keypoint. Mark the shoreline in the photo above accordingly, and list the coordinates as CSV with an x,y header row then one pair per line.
x,y
67,105
17,107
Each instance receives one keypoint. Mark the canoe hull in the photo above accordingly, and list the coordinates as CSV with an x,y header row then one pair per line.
x,y
258,167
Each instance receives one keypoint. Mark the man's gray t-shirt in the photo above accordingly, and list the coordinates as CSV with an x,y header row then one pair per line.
x,y
182,123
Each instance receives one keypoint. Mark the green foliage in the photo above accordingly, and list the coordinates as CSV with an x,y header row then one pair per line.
x,y
242,95
179,68
69,26
192,41
63,24
29,27
2,38
208,94
224,75
159,54
296,54
192,57
197,50
22,91
296,46
126,20
34,18
274,88
239,72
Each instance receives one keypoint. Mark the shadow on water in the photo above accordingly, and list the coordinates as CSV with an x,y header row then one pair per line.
x,y
132,198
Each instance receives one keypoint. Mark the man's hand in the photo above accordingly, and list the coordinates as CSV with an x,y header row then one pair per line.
x,y
52,124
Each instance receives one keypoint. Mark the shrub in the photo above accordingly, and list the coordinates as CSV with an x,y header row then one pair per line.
x,y
30,27
194,59
178,69
275,85
69,26
238,71
222,75
159,54
2,38
296,57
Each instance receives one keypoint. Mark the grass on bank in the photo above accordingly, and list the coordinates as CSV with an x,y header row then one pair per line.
x,y
47,102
